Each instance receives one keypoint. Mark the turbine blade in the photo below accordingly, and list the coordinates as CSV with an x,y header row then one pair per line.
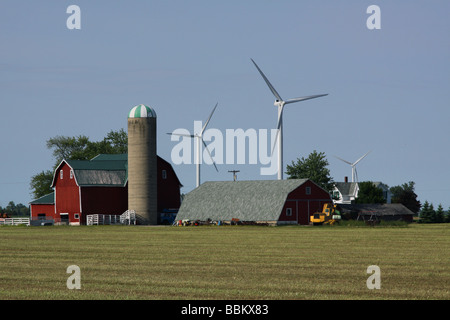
x,y
361,158
182,134
210,155
344,160
207,121
305,98
275,93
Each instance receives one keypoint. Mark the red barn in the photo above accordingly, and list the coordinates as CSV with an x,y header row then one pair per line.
x,y
99,186
290,201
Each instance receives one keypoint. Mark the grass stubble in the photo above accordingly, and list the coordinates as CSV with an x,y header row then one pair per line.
x,y
225,262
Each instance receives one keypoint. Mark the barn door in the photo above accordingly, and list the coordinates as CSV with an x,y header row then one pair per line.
x,y
64,218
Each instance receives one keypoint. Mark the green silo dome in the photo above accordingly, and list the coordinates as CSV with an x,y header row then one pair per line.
x,y
142,111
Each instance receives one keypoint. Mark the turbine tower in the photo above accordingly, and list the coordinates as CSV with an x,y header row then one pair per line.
x,y
280,103
199,140
353,165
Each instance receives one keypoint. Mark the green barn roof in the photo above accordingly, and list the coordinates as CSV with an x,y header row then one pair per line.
x,y
47,199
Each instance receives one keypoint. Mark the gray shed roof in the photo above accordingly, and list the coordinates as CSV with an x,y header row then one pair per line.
x,y
385,209
258,200
346,188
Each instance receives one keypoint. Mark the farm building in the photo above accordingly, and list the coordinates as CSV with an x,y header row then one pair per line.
x,y
99,186
377,212
260,201
346,192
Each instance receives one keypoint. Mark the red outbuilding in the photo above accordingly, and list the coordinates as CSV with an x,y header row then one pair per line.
x,y
99,186
276,202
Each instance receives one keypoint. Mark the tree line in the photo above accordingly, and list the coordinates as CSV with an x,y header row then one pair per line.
x,y
314,167
13,209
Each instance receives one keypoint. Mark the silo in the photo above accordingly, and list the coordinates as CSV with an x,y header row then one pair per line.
x,y
142,164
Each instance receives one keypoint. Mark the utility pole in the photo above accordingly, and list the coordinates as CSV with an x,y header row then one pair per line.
x,y
234,173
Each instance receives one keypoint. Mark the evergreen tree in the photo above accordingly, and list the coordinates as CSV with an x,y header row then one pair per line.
x,y
439,216
427,213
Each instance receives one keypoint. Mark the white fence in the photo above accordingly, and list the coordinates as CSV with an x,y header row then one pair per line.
x,y
128,217
15,221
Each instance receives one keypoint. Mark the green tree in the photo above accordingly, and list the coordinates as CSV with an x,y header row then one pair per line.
x,y
13,209
369,193
427,213
314,168
439,215
41,184
405,195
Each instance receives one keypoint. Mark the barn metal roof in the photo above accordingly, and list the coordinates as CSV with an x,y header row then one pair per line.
x,y
99,172
258,200
103,170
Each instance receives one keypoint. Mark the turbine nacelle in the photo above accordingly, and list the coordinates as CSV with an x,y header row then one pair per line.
x,y
278,103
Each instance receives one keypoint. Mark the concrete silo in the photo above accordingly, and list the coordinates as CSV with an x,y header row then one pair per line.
x,y
142,164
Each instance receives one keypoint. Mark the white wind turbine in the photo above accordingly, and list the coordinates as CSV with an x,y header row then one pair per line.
x,y
353,165
279,102
199,139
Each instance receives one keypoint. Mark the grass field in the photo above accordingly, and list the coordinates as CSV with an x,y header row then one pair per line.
x,y
227,262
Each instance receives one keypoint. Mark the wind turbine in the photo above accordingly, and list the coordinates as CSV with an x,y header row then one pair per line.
x,y
199,138
280,103
354,172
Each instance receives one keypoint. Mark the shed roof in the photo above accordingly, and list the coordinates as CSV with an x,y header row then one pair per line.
x,y
47,199
378,209
257,200
347,188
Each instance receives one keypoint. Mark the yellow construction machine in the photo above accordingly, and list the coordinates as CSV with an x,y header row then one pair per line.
x,y
329,215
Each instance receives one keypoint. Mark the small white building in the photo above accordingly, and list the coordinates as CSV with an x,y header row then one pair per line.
x,y
346,192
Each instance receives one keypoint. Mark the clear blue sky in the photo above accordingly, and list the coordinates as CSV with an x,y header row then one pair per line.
x,y
388,89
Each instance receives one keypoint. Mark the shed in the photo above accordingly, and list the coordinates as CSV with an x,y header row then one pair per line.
x,y
386,212
43,207
290,201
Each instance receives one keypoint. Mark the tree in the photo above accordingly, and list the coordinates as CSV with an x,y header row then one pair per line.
x,y
369,193
41,184
314,168
427,213
439,215
76,148
405,195
13,209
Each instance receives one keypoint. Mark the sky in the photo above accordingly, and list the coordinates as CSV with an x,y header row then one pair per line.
x,y
388,88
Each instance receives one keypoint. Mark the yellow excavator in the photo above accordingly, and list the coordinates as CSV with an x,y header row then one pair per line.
x,y
329,215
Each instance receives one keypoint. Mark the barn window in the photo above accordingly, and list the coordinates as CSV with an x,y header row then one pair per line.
x,y
164,174
61,174
77,216
71,174
288,212
308,190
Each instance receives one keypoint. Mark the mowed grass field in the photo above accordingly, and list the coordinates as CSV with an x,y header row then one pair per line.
x,y
225,262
